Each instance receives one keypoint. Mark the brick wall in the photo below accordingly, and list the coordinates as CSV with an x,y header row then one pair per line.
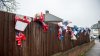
x,y
77,50
99,27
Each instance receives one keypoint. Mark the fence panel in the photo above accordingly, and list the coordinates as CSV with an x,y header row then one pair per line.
x,y
37,43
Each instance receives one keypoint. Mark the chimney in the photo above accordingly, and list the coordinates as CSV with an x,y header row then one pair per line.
x,y
47,11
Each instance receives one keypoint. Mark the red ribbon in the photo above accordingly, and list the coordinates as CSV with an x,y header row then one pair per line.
x,y
45,27
19,38
23,20
41,19
35,20
59,35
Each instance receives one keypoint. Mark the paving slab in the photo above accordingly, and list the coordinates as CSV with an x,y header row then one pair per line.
x,y
95,50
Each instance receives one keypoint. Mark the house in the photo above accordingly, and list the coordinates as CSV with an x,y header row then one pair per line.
x,y
95,29
52,18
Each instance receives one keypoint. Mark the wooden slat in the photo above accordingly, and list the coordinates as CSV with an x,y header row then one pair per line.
x,y
2,33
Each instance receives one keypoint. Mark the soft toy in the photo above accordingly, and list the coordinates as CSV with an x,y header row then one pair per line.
x,y
71,31
73,37
60,36
75,30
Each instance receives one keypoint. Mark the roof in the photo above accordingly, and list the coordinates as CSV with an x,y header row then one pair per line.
x,y
96,26
53,18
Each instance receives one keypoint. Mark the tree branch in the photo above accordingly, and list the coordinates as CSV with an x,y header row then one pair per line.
x,y
5,5
8,5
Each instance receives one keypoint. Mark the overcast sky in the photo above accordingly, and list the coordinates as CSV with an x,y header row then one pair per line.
x,y
81,12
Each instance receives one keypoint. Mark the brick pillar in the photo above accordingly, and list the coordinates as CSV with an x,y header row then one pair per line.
x,y
99,27
99,31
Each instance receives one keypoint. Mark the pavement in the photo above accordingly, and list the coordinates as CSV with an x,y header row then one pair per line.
x,y
95,50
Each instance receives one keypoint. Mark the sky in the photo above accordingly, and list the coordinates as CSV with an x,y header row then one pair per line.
x,y
83,13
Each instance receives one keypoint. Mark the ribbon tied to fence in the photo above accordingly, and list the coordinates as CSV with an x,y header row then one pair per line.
x,y
21,24
40,20
19,37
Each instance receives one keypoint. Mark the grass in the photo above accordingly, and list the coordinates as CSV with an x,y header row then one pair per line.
x,y
82,54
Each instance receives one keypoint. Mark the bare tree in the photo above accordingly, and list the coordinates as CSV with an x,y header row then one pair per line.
x,y
8,5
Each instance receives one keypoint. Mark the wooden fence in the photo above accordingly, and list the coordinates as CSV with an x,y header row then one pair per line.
x,y
37,43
